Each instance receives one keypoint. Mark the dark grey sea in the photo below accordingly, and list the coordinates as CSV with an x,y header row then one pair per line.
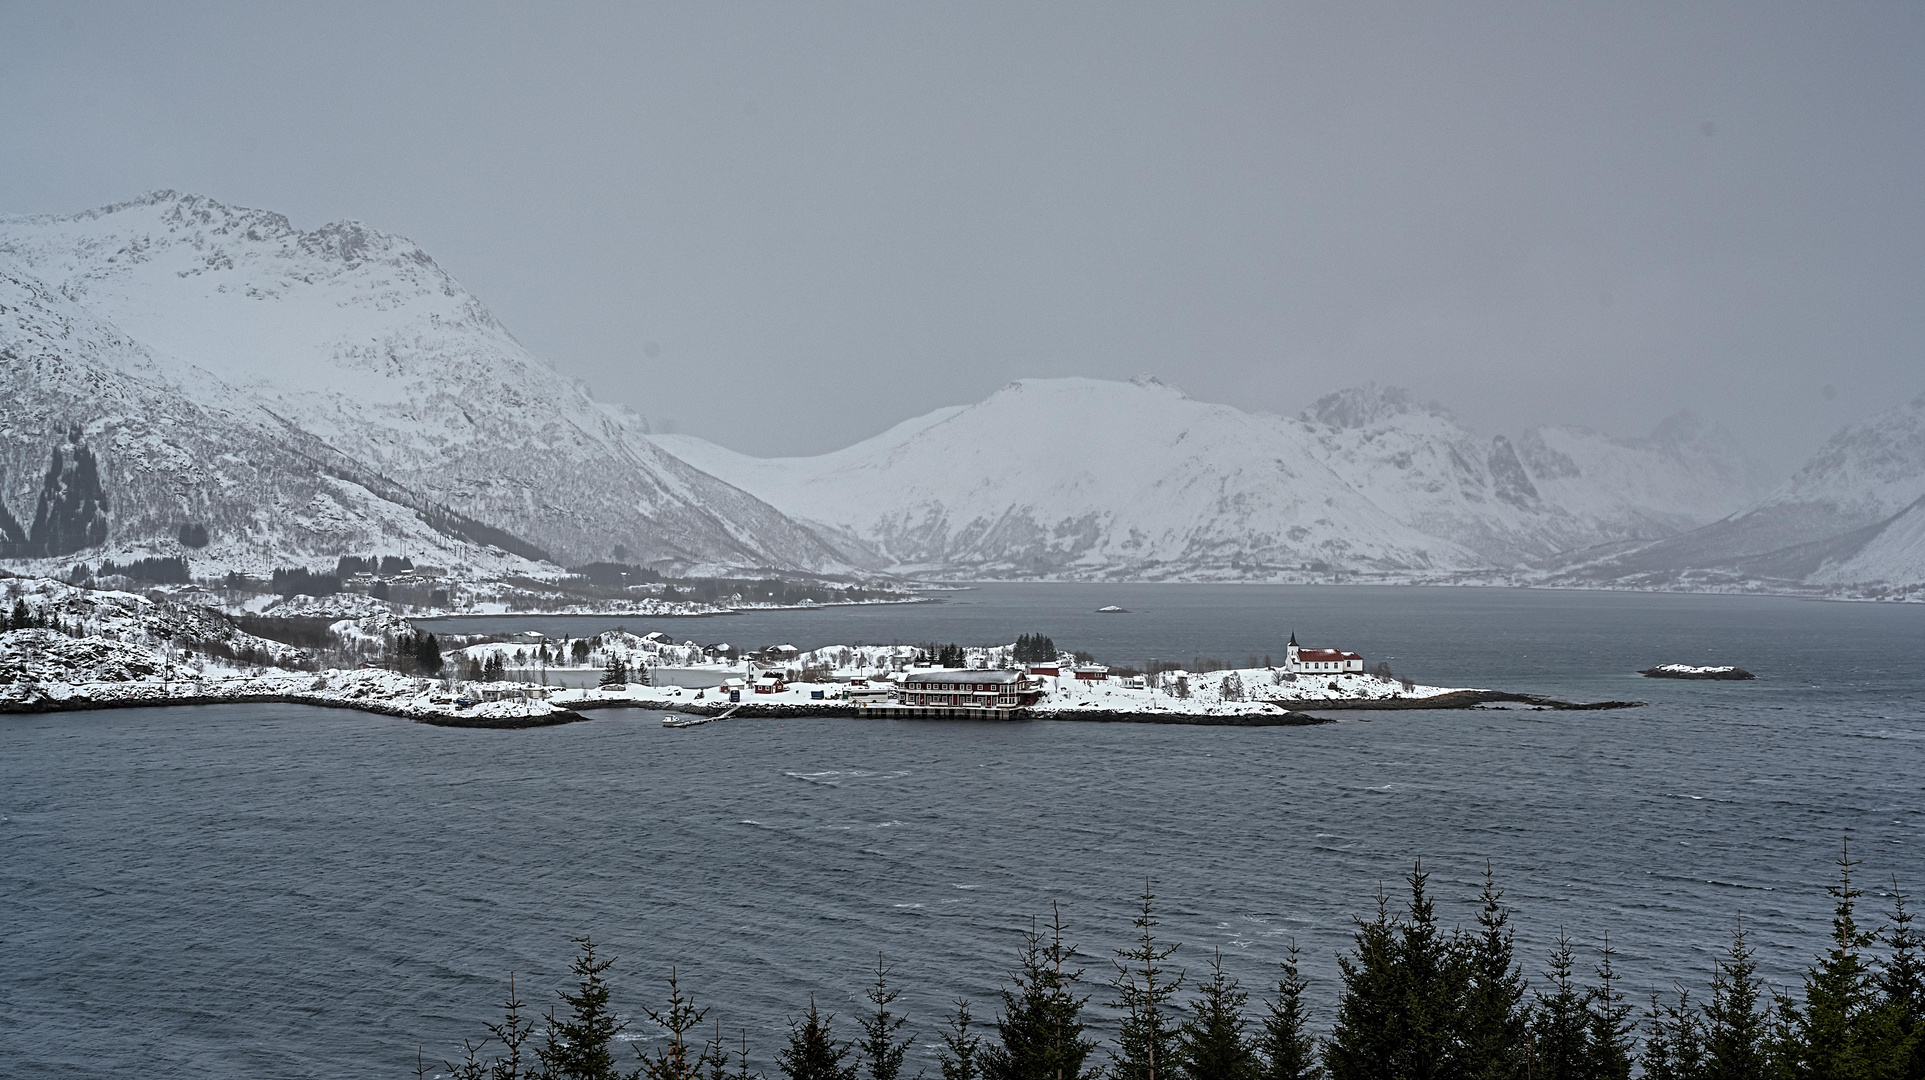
x,y
292,892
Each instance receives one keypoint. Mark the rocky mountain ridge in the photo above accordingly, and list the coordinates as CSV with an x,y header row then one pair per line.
x,y
303,393
1095,478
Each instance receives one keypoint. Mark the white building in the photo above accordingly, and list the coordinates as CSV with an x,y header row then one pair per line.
x,y
1303,661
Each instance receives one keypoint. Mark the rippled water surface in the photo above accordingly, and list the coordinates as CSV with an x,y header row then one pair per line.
x,y
287,891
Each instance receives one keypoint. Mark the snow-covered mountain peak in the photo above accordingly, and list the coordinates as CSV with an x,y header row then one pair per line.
x,y
1080,476
1077,388
1370,405
203,242
354,340
1868,470
1683,428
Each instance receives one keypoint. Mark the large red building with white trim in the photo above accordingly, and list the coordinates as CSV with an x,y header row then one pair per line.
x,y
964,689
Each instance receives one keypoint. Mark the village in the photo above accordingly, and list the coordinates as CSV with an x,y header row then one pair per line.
x,y
899,681
66,647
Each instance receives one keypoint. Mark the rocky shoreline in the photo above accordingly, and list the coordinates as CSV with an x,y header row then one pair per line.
x,y
1472,699
1465,699
535,713
82,702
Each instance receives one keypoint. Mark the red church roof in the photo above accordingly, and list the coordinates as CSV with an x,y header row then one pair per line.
x,y
1317,656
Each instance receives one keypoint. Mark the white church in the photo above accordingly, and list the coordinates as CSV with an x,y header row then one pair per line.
x,y
1319,661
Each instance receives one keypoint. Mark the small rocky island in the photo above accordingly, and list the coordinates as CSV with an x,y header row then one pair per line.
x,y
1726,673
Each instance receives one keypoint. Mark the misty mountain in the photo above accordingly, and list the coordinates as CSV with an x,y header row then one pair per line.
x,y
1849,515
1091,478
308,393
1556,489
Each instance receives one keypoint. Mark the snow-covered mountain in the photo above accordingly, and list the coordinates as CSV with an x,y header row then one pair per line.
x,y
1685,474
1850,515
1891,553
1556,489
1085,477
308,393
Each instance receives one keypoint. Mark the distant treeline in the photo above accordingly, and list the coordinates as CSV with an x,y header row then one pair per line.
x,y
305,633
387,565
1417,1002
291,581
168,571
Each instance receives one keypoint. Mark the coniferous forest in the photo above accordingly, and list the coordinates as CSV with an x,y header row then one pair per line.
x,y
1416,1001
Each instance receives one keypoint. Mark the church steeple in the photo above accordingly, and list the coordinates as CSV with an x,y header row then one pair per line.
x,y
1293,637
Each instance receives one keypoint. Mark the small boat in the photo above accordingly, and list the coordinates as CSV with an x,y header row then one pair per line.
x,y
1112,610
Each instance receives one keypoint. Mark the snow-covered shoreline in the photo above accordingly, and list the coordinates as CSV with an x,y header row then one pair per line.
x,y
364,690
70,648
653,610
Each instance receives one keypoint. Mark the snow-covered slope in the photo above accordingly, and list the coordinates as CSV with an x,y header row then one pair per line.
x,y
235,342
1815,525
1416,462
1083,477
263,494
1685,474
1893,554
1556,489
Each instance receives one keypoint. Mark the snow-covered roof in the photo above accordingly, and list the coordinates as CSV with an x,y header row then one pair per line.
x,y
1323,655
957,677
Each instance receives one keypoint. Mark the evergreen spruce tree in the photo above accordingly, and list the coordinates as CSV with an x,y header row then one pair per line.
x,y
577,1044
22,619
1287,1050
1612,1031
682,1058
616,674
1364,1040
512,1033
881,1046
1839,1032
1214,1043
960,1056
1495,1018
1041,1034
1674,1041
1736,1029
1559,1022
428,654
1431,997
1901,987
813,1053
1148,1040
722,1065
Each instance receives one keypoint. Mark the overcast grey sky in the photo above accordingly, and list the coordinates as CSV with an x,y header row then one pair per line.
x,y
785,227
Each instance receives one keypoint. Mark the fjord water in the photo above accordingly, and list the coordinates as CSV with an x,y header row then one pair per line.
x,y
287,891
